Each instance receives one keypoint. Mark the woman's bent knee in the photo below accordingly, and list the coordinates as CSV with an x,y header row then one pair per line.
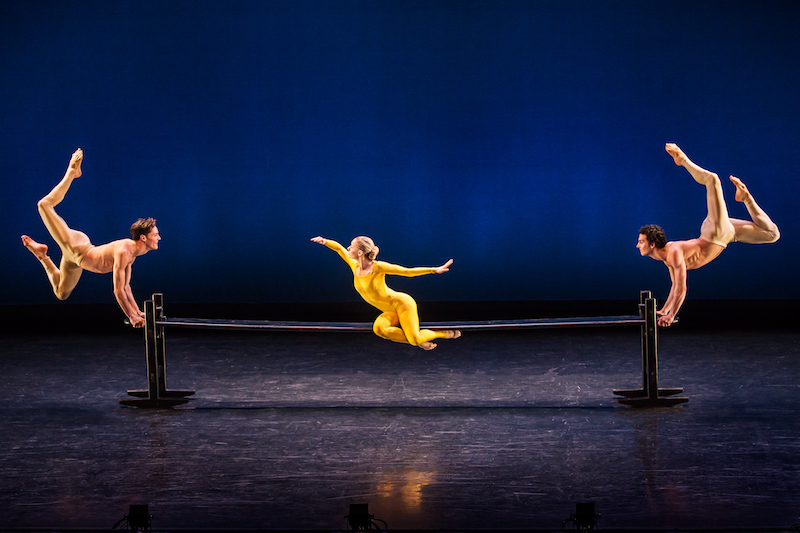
x,y
380,330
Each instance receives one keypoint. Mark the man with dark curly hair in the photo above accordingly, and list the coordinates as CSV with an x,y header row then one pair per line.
x,y
717,231
78,253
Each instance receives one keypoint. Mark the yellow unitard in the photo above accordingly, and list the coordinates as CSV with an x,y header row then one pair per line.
x,y
399,309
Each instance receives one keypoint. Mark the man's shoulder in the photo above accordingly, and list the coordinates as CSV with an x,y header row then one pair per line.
x,y
673,248
126,244
676,251
121,246
678,245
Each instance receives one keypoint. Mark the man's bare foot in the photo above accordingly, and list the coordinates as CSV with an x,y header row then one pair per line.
x,y
741,189
427,346
75,164
37,249
676,153
452,334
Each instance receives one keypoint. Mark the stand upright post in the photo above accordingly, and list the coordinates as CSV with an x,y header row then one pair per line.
x,y
651,343
644,296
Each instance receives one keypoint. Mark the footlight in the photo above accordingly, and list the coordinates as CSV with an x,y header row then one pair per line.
x,y
359,518
584,518
138,519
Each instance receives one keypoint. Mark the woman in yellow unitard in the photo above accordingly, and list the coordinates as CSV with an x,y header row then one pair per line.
x,y
399,321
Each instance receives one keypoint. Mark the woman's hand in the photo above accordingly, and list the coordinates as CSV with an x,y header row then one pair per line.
x,y
319,240
444,268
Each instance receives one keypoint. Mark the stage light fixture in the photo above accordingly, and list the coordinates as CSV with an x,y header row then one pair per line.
x,y
359,518
584,518
138,519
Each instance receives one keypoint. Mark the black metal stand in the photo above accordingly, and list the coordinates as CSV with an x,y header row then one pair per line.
x,y
157,394
650,395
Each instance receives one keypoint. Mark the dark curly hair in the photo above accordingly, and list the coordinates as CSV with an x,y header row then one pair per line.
x,y
142,227
654,234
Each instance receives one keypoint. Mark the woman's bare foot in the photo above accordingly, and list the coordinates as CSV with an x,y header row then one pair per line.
x,y
37,249
676,153
452,334
74,169
741,189
427,346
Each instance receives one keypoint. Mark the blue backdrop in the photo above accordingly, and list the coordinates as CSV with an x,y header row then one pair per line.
x,y
524,139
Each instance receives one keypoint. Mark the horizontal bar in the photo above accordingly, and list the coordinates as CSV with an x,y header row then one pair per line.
x,y
367,326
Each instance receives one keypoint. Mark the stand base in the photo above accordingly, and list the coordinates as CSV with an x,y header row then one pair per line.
x,y
164,394
641,393
168,398
159,402
653,402
640,397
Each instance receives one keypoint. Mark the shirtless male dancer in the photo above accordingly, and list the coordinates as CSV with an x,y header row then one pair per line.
x,y
78,253
716,232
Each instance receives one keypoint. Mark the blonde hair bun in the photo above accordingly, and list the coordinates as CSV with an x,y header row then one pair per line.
x,y
366,245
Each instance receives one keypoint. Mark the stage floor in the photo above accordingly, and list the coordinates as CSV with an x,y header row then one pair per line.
x,y
491,431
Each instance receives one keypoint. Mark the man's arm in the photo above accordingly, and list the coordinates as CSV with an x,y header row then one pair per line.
x,y
671,298
676,264
122,290
129,292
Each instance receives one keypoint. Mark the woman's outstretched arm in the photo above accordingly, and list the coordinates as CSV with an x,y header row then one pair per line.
x,y
335,246
397,270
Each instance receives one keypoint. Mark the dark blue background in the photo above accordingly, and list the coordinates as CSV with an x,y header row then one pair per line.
x,y
523,139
